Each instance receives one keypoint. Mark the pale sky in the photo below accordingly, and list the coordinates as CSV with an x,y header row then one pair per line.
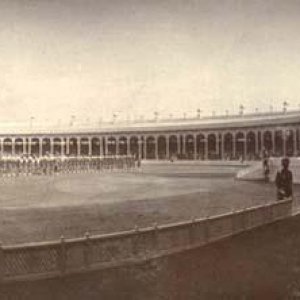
x,y
91,58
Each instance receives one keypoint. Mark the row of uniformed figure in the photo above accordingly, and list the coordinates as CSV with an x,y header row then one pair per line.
x,y
15,166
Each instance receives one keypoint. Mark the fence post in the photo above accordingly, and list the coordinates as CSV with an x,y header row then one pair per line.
x,y
233,222
192,230
155,236
135,240
206,230
62,255
87,250
2,263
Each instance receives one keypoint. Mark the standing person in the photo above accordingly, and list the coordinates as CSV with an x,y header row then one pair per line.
x,y
284,181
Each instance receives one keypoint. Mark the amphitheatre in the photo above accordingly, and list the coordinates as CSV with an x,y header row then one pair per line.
x,y
200,185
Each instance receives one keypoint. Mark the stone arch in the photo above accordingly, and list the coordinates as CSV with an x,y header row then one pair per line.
x,y
212,146
173,145
46,146
123,145
73,146
134,146
150,146
228,145
95,146
162,147
19,144
240,144
251,144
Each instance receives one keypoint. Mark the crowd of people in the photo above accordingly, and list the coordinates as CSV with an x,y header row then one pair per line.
x,y
33,165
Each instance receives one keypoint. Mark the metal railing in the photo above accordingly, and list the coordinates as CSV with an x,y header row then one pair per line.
x,y
58,258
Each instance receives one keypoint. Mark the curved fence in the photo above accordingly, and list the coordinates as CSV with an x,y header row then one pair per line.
x,y
48,259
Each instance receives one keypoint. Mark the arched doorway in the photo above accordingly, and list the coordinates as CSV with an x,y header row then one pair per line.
x,y
19,146
228,146
84,146
267,141
57,146
240,145
150,146
134,146
111,146
212,146
73,147
161,145
7,146
46,146
189,146
95,146
35,146
251,145
123,145
200,140
173,146
278,151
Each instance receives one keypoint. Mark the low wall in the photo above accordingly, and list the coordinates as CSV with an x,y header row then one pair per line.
x,y
59,258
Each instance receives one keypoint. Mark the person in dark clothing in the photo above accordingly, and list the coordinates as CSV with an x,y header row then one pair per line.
x,y
284,181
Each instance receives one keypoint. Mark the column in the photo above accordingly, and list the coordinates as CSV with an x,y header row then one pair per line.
x,y
217,144
24,145
222,146
101,146
178,145
167,146
128,145
13,146
256,143
106,145
156,147
140,142
40,147
29,145
78,146
1,146
184,144
273,141
245,145
294,142
145,147
195,146
205,147
117,146
62,146
90,146
234,145
284,142
51,146
67,145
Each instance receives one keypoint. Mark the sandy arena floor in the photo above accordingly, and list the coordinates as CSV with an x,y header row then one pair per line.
x,y
44,208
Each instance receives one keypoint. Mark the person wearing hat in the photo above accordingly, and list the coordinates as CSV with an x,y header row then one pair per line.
x,y
284,181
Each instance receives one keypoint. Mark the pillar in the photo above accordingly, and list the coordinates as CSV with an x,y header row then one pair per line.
x,y
234,145
13,146
78,146
218,144
101,146
256,143
178,145
140,142
106,145
62,147
284,142
128,145
1,146
29,145
183,144
205,147
156,147
90,146
145,147
167,146
40,147
67,145
195,146
117,146
294,142
51,146
24,145
222,146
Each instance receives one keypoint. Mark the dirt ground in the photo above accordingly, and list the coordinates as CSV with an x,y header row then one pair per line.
x,y
44,208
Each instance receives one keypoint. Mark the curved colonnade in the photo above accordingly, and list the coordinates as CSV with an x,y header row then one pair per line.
x,y
186,144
